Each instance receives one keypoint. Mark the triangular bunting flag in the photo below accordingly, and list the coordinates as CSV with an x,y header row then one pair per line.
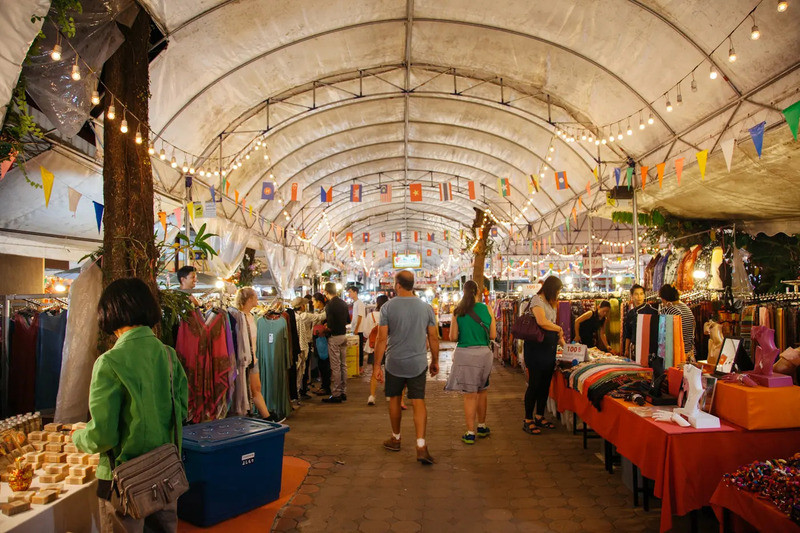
x,y
6,165
617,172
792,116
251,211
660,170
178,217
644,175
596,174
702,157
589,187
727,151
679,168
236,195
629,176
190,210
213,194
47,184
74,199
757,134
162,217
98,214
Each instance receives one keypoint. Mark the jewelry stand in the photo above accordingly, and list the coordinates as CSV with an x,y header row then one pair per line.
x,y
696,417
766,354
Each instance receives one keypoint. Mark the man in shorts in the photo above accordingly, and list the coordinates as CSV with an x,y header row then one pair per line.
x,y
406,323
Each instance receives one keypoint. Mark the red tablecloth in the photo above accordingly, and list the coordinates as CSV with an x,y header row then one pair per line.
x,y
759,513
685,464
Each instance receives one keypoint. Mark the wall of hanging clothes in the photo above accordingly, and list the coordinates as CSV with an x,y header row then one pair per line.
x,y
33,331
780,312
506,311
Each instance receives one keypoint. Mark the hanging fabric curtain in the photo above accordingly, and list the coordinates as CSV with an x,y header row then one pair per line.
x,y
230,244
286,266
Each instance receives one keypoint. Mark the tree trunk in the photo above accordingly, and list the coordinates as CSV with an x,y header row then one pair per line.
x,y
128,241
481,232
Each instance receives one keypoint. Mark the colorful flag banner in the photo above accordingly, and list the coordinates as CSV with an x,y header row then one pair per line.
x,y
727,151
494,232
611,201
236,196
98,214
445,192
471,188
355,192
178,212
74,199
47,184
430,237
561,180
679,168
503,187
215,213
227,187
349,236
416,192
702,157
5,166
589,188
757,134
575,213
162,217
617,172
416,236
326,196
267,191
629,176
580,202
644,175
296,192
428,253
199,212
386,193
398,236
792,116
386,254
446,235
190,210
660,171
366,237
533,184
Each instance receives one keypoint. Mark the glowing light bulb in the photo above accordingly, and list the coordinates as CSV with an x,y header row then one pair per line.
x,y
782,6
583,137
76,72
618,278
694,85
123,126
630,131
95,98
191,170
611,136
55,55
151,149
604,141
669,105
59,287
641,123
185,166
162,155
549,158
257,147
247,156
597,143
138,138
713,73
219,284
216,173
755,34
731,52
591,138
111,114
619,134
202,172
173,163
650,119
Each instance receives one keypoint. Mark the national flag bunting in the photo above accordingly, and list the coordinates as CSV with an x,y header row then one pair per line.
x,y
267,191
503,186
326,196
398,236
494,232
445,192
416,236
386,193
471,190
366,237
296,192
349,236
561,180
416,192
430,237
533,184
355,192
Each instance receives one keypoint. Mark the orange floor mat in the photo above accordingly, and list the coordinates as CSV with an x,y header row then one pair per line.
x,y
261,519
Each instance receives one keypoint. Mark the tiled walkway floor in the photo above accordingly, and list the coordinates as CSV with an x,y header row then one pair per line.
x,y
509,482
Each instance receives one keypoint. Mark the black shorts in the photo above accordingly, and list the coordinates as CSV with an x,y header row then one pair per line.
x,y
416,386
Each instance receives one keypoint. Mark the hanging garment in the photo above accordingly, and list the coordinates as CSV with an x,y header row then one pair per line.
x,y
679,344
672,267
22,364
244,357
662,339
716,261
274,354
80,346
564,318
49,346
658,274
639,334
669,342
294,349
649,272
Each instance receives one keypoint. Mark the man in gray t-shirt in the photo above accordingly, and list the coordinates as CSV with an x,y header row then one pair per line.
x,y
406,325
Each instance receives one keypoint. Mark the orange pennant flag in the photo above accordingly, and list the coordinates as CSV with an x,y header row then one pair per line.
x,y
580,202
660,169
236,193
162,216
679,168
702,157
589,187
644,176
227,188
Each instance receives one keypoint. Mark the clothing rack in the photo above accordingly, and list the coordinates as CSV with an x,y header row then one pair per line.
x,y
775,297
7,302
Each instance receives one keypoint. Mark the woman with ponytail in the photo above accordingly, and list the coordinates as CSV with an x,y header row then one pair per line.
x,y
473,327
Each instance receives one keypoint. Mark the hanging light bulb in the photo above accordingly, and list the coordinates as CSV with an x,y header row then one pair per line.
x,y
713,73
590,137
545,167
597,142
151,149
123,126
650,119
679,97
629,131
257,147
694,84
95,98
541,174
138,137
603,140
111,114
191,170
76,71
782,6
641,122
266,156
173,163
224,173
610,135
583,136
619,132
216,172
185,166
549,158
754,33
202,172
669,104
162,155
55,55
731,52
552,148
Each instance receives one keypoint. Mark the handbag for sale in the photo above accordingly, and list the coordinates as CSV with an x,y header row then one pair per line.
x,y
151,482
525,327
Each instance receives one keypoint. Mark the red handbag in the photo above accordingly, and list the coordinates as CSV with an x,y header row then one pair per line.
x,y
525,327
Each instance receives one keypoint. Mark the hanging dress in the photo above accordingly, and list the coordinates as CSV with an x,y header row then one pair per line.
x,y
274,353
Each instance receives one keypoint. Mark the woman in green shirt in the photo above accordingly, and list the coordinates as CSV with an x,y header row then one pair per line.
x,y
473,327
129,397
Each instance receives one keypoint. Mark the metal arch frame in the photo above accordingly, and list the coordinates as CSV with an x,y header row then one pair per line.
x,y
481,26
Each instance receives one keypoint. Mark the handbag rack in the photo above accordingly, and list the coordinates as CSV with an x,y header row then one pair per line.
x,y
16,300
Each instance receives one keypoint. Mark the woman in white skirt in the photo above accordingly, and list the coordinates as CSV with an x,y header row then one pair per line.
x,y
473,328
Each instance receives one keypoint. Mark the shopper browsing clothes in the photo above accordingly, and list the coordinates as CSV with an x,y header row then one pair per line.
x,y
671,304
357,322
130,398
473,328
337,316
406,324
590,327
187,280
320,333
629,323
305,322
540,357
370,325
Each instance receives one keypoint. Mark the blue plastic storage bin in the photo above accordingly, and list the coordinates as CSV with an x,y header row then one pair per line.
x,y
233,466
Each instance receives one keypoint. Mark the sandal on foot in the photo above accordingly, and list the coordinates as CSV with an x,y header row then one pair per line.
x,y
530,428
543,423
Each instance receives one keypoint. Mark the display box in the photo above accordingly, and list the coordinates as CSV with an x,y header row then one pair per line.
x,y
351,356
233,465
758,407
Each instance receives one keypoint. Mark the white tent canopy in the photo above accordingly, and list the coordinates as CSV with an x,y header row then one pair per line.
x,y
432,91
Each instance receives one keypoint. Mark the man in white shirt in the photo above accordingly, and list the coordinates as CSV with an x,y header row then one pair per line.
x,y
359,313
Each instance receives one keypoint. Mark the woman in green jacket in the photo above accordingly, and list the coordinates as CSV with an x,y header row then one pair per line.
x,y
129,397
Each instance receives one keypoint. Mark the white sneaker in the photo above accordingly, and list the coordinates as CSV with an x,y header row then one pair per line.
x,y
371,400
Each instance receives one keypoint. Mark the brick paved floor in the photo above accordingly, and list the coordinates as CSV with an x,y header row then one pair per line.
x,y
509,482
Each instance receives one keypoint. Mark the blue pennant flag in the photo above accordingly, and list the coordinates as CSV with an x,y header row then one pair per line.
x,y
757,134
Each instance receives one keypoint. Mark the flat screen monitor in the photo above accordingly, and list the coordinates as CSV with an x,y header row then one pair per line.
x,y
407,261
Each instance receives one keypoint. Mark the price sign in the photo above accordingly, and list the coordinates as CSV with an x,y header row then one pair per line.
x,y
571,352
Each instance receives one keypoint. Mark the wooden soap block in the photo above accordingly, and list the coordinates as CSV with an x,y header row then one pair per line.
x,y
79,470
37,436
52,478
21,496
52,427
44,497
77,459
52,457
59,468
28,448
77,480
57,487
55,437
39,446
94,460
5,476
70,448
12,508
54,447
